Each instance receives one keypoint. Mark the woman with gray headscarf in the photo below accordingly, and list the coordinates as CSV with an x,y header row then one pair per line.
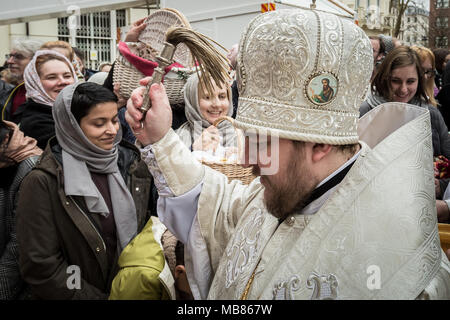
x,y
201,110
85,201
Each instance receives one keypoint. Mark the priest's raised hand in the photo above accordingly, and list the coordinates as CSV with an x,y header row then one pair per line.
x,y
158,119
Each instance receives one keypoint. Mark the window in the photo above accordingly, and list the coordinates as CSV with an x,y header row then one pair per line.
x,y
409,19
442,3
94,34
441,42
442,22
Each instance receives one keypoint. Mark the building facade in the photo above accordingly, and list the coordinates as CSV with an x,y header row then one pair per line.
x,y
439,31
96,35
415,27
373,16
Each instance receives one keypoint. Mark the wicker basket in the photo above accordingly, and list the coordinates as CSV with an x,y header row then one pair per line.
x,y
154,33
151,41
128,77
444,235
233,171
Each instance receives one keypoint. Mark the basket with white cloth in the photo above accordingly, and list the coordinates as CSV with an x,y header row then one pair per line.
x,y
232,169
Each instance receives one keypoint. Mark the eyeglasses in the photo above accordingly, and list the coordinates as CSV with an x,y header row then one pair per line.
x,y
430,73
16,56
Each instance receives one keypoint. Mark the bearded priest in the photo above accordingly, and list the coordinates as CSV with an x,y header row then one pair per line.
x,y
342,209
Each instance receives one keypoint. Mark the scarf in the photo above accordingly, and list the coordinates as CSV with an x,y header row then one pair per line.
x,y
374,100
20,147
195,118
33,84
80,156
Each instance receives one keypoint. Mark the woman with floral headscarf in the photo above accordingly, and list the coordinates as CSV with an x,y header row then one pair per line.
x,y
45,76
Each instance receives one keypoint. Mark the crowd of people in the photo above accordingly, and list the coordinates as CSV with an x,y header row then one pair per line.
x,y
101,201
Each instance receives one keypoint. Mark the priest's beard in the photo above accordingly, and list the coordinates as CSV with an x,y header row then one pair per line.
x,y
287,191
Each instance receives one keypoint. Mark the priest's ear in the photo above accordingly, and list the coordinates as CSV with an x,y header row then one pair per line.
x,y
320,150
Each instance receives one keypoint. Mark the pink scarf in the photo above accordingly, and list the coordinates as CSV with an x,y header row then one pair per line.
x,y
33,84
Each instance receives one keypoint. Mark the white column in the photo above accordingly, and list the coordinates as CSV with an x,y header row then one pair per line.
x,y
113,34
91,33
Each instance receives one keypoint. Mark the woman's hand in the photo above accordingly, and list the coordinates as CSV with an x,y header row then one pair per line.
x,y
209,140
158,119
442,210
135,31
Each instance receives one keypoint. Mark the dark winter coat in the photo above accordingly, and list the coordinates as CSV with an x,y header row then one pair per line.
x,y
37,122
7,92
11,283
57,235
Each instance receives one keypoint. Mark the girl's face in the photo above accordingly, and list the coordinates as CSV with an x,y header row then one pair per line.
x,y
213,107
101,125
55,75
404,82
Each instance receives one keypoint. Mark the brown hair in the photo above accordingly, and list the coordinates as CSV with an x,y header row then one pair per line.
x,y
347,149
59,44
48,57
402,56
440,55
424,54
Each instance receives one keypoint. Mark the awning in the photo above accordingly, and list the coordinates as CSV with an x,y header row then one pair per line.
x,y
16,11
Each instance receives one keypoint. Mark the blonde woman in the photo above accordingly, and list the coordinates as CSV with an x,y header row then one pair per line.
x,y
427,62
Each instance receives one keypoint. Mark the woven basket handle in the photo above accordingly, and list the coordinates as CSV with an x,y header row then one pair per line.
x,y
239,136
223,118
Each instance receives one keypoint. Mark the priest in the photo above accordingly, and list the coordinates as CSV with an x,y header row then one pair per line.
x,y
340,210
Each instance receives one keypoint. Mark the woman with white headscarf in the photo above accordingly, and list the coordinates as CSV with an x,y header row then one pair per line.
x,y
45,76
201,110
85,201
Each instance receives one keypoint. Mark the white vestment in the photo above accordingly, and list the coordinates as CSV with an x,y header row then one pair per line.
x,y
375,237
